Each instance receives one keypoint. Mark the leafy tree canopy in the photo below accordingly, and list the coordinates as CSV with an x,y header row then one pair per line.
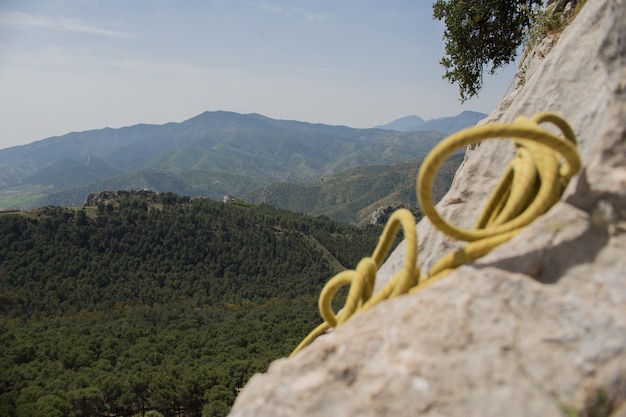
x,y
480,34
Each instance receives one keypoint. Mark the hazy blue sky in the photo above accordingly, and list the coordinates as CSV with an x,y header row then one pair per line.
x,y
73,65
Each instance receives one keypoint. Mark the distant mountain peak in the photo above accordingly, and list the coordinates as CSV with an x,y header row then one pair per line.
x,y
445,125
404,124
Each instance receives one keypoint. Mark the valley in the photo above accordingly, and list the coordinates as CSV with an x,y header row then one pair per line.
x,y
165,298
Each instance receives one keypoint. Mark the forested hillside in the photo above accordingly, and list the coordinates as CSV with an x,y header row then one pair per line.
x,y
351,196
160,302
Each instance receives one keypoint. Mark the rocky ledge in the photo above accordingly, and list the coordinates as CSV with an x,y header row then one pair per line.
x,y
535,328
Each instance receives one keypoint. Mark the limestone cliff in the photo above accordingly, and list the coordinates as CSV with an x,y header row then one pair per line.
x,y
535,328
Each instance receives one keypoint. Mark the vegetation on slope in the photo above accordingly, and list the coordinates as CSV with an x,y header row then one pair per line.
x,y
160,302
352,196
479,35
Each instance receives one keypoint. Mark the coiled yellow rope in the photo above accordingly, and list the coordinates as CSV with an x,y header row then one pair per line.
x,y
532,183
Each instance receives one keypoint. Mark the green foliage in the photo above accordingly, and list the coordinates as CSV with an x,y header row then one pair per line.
x,y
550,22
60,260
165,358
159,303
479,35
598,404
21,199
151,413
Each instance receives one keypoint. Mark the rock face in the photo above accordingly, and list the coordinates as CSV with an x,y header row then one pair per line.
x,y
381,215
535,328
561,6
229,199
113,197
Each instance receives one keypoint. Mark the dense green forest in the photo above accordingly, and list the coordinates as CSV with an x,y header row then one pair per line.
x,y
158,302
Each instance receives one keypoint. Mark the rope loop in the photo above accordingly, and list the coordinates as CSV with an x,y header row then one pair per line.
x,y
532,183
538,150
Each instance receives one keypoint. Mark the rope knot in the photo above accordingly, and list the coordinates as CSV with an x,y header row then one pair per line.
x,y
361,281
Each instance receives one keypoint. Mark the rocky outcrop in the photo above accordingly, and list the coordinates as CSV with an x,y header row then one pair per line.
x,y
229,199
561,6
381,215
535,328
114,197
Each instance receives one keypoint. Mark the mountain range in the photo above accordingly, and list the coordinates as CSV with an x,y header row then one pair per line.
x,y
212,154
446,125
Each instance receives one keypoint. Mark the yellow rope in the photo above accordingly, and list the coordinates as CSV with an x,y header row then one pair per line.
x,y
532,183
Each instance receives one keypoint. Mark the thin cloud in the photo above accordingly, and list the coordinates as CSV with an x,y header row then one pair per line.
x,y
308,16
25,20
47,56
315,71
315,17
180,69
272,8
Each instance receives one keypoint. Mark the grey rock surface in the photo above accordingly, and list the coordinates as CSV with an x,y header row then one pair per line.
x,y
535,328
